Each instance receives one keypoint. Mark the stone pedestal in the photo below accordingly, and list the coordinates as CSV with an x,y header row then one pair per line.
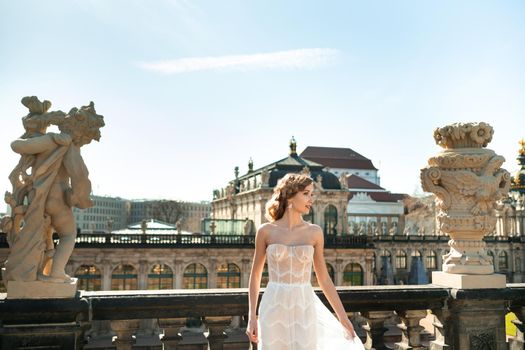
x,y
41,336
477,324
41,290
462,281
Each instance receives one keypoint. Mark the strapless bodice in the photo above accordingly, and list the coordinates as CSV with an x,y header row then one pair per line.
x,y
289,264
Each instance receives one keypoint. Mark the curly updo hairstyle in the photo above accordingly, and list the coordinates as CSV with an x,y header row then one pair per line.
x,y
286,188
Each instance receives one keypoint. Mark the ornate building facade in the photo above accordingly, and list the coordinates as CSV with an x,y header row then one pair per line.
x,y
246,196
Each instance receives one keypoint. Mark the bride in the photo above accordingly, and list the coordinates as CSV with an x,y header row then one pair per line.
x,y
291,316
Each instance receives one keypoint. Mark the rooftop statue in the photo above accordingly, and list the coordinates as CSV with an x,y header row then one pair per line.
x,y
48,181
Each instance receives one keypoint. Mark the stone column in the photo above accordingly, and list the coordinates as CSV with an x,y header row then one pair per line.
x,y
519,223
378,262
424,254
393,254
212,273
344,219
496,260
143,274
409,259
338,272
245,272
106,275
467,180
179,273
439,257
369,274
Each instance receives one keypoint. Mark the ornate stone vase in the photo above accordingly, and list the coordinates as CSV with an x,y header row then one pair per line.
x,y
467,180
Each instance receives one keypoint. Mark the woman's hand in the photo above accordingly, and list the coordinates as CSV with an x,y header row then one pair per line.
x,y
251,330
347,325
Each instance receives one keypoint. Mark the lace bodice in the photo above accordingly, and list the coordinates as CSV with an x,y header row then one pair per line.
x,y
290,264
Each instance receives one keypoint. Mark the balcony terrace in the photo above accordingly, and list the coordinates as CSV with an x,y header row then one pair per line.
x,y
78,323
461,317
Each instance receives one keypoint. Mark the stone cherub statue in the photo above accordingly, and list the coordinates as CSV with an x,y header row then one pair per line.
x,y
48,181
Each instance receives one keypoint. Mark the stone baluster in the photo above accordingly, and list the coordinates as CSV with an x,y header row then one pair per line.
x,y
440,322
410,329
375,328
171,327
125,330
217,335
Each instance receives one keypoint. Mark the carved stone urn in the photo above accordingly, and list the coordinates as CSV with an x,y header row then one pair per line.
x,y
467,180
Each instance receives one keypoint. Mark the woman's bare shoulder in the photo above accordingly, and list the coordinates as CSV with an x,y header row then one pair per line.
x,y
265,229
315,228
316,233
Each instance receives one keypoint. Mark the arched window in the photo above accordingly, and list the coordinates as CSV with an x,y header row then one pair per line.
x,y
310,216
89,278
330,220
503,260
353,275
415,253
331,273
124,277
228,276
265,278
195,277
160,277
401,260
431,260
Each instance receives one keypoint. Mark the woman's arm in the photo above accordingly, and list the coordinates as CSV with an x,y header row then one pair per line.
x,y
326,284
255,282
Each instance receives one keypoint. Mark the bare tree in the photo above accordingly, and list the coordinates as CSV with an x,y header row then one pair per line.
x,y
166,210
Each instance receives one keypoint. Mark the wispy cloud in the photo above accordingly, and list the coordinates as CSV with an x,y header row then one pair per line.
x,y
285,60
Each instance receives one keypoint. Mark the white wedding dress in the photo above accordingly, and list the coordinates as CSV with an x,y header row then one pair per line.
x,y
291,316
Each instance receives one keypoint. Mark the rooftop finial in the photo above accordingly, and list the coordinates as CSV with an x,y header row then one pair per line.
x,y
250,165
293,147
522,149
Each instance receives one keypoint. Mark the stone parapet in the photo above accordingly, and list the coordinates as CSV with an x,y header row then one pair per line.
x,y
458,313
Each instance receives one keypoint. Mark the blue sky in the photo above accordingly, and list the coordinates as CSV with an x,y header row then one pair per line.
x,y
191,89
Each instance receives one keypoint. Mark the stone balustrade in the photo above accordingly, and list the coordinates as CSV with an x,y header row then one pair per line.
x,y
112,240
463,319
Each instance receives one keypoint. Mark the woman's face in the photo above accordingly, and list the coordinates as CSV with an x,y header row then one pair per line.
x,y
302,201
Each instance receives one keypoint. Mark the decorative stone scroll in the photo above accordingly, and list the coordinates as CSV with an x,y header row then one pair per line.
x,y
467,180
48,181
